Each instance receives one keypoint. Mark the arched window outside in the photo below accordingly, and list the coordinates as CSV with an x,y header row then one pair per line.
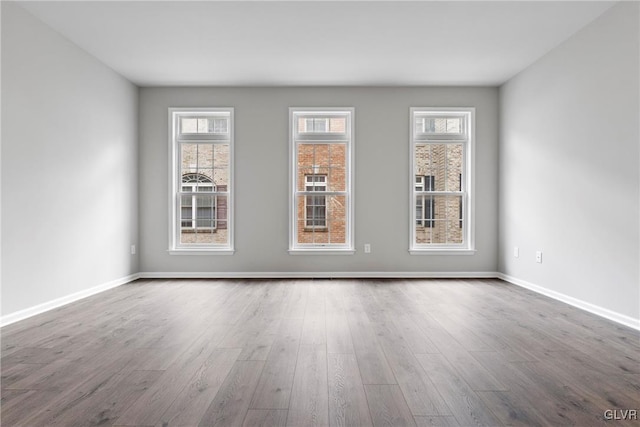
x,y
198,212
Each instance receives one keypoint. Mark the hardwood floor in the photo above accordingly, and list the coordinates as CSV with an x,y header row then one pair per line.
x,y
318,352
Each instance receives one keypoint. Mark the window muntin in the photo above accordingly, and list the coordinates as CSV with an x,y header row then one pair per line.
x,y
202,153
321,211
441,149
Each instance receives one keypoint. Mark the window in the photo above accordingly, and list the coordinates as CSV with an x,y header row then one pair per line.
x,y
199,214
424,204
442,142
202,165
321,211
438,125
316,206
316,125
203,126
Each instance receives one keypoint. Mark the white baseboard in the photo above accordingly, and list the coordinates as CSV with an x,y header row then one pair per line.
x,y
583,305
59,302
321,275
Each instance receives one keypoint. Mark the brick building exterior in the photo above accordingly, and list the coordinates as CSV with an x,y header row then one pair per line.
x,y
203,217
438,167
321,168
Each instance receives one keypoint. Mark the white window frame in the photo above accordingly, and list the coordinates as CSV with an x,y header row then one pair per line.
x,y
467,138
310,137
176,138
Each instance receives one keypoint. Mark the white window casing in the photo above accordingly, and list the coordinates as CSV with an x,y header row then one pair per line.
x,y
442,159
321,147
201,208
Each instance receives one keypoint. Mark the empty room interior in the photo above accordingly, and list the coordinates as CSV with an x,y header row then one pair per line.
x,y
319,213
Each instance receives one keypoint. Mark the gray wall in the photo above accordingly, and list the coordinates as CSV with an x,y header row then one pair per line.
x,y
69,159
569,162
261,178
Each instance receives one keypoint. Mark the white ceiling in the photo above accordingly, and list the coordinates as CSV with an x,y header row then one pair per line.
x,y
317,42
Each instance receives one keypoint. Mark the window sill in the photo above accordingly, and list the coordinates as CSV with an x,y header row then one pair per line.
x,y
316,251
201,251
442,251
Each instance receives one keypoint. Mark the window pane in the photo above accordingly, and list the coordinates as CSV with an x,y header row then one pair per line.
x,y
443,162
306,125
454,232
337,219
204,125
446,211
196,163
220,125
322,125
321,155
205,211
426,159
438,232
454,159
186,211
313,125
313,182
321,219
423,234
221,160
439,125
438,219
328,160
315,211
454,209
424,211
205,164
188,125
204,156
337,167
188,157
204,219
338,125
419,125
302,174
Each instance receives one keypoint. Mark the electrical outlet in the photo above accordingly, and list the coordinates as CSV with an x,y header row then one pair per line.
x,y
133,249
516,252
367,248
539,257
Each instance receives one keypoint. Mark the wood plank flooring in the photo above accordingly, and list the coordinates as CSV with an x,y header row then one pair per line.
x,y
315,353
